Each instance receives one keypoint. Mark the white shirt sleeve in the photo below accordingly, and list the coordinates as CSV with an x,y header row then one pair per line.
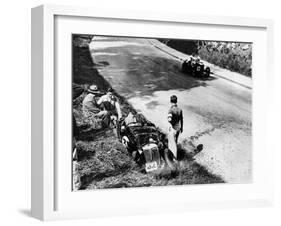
x,y
118,109
102,98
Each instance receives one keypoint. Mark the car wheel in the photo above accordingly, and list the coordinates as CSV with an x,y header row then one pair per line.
x,y
141,160
207,72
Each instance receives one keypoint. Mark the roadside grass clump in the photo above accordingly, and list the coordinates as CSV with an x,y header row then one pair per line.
x,y
101,159
130,178
188,172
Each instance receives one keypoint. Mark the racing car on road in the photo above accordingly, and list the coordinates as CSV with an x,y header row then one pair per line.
x,y
196,68
141,139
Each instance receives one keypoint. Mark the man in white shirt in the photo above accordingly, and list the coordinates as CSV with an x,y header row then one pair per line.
x,y
110,104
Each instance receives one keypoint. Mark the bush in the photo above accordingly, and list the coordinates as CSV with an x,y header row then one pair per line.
x,y
235,59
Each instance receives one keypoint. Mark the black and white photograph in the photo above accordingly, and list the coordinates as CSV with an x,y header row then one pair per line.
x,y
160,112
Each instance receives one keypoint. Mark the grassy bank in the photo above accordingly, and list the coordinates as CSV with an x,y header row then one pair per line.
x,y
103,160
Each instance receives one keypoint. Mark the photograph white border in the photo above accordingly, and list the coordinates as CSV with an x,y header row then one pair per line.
x,y
44,122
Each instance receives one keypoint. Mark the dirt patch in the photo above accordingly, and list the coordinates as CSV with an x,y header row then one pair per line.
x,y
103,162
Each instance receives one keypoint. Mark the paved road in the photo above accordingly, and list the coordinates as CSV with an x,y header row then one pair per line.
x,y
217,113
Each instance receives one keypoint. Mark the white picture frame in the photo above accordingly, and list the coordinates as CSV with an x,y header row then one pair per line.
x,y
46,191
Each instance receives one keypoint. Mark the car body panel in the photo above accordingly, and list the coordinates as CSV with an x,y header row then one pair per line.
x,y
196,69
144,139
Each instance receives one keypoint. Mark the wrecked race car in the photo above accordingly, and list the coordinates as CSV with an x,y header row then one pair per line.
x,y
195,67
141,139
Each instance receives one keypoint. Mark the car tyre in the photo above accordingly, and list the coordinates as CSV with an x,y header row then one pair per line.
x,y
207,72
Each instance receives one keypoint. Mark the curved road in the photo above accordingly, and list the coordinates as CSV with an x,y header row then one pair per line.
x,y
217,112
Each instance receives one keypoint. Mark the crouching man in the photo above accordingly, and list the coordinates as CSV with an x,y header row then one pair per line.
x,y
91,109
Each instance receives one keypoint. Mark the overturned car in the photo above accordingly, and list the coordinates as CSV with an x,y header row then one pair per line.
x,y
195,67
141,139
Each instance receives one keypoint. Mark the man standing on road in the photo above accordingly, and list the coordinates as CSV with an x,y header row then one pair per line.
x,y
175,119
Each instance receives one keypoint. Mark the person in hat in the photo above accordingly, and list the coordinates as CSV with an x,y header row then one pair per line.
x,y
110,104
198,59
89,104
91,109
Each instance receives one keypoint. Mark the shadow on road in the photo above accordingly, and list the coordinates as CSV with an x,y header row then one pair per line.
x,y
140,71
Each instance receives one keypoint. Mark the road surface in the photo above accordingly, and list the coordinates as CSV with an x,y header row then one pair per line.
x,y
217,113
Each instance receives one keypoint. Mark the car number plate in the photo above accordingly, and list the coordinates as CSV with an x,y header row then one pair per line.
x,y
150,166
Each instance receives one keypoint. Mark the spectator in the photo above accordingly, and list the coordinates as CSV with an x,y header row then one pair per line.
x,y
110,105
91,108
